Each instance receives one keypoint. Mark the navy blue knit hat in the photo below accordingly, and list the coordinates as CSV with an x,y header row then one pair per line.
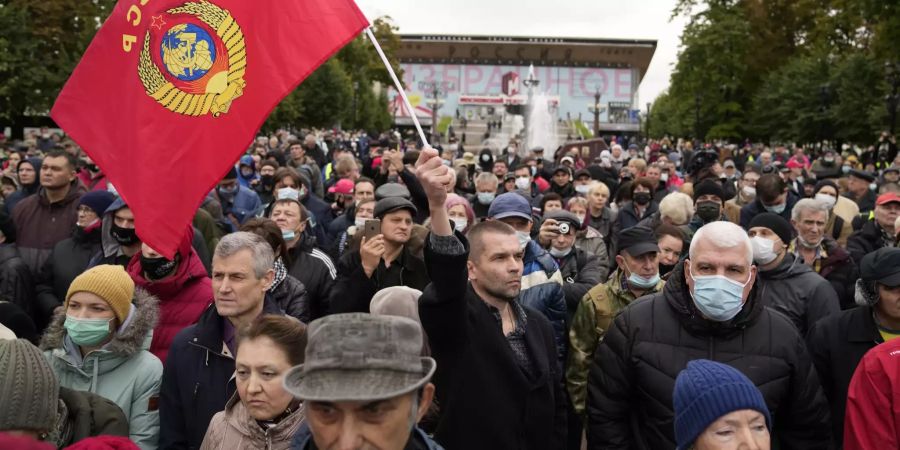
x,y
98,201
707,390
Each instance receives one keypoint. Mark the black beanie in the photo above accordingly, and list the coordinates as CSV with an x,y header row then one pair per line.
x,y
709,187
774,222
823,183
231,175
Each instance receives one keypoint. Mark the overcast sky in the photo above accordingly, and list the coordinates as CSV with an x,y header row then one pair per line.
x,y
633,19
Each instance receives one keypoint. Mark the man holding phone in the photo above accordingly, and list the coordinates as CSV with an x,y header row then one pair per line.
x,y
383,259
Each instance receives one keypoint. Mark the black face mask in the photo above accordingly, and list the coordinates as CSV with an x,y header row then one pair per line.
x,y
267,181
93,168
709,211
664,269
158,268
124,236
642,198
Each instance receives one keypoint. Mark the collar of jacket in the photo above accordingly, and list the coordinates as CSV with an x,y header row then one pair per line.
x,y
237,416
210,327
678,296
790,266
76,189
862,327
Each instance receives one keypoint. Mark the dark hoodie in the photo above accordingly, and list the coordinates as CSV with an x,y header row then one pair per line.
x,y
798,292
633,374
183,296
26,189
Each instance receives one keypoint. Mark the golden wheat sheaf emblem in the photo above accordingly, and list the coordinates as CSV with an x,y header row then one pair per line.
x,y
193,60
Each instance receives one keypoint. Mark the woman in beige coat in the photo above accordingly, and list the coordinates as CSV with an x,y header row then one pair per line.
x,y
262,415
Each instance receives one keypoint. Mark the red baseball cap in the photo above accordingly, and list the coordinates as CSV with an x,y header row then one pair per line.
x,y
344,186
886,198
794,164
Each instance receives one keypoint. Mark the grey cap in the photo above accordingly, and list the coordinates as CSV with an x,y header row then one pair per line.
x,y
391,204
561,215
360,357
388,190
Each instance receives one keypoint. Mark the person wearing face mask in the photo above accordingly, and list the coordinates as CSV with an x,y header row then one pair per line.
x,y
792,287
238,203
838,342
583,182
718,408
70,257
347,241
486,186
587,237
119,237
826,166
671,241
709,205
596,310
579,269
773,196
841,211
821,252
460,213
640,207
95,343
181,284
542,281
526,187
746,194
711,307
265,189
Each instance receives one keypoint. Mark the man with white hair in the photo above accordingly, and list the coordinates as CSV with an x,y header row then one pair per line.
x,y
818,250
709,308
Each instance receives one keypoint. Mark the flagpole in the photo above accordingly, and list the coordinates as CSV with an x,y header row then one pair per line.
x,y
387,65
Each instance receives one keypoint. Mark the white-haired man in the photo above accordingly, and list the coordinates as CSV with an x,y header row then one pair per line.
x,y
709,308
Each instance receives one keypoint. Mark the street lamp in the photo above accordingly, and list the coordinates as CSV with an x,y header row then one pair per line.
x,y
697,116
825,98
892,72
596,109
648,120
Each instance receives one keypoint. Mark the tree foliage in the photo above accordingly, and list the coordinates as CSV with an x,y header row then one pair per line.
x,y
799,70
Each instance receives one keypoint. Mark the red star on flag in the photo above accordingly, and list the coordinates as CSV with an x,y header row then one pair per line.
x,y
158,22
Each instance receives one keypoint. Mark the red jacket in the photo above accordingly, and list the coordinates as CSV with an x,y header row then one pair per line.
x,y
182,296
873,401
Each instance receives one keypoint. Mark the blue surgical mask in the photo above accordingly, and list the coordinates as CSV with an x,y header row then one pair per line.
x,y
640,282
288,235
777,209
485,198
718,297
559,253
87,332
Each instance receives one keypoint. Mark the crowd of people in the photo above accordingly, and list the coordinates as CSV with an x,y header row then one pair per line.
x,y
341,291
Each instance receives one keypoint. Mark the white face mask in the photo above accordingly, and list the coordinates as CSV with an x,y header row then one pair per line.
x,y
763,250
559,253
523,183
826,199
664,177
459,224
360,222
580,218
749,191
582,189
524,238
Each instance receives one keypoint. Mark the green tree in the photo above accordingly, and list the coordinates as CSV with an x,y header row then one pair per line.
x,y
326,95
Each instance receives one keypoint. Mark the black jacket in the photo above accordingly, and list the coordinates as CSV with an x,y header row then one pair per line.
x,y
16,282
197,380
750,210
841,271
353,290
580,272
798,292
70,257
290,295
633,373
486,400
866,240
316,271
837,344
866,203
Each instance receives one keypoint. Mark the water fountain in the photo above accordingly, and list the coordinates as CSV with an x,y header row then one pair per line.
x,y
540,121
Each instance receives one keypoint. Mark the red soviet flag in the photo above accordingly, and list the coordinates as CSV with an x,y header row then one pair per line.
x,y
171,92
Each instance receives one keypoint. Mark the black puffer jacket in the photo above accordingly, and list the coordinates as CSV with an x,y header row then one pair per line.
x,y
866,240
70,257
798,292
633,374
316,271
290,295
16,283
